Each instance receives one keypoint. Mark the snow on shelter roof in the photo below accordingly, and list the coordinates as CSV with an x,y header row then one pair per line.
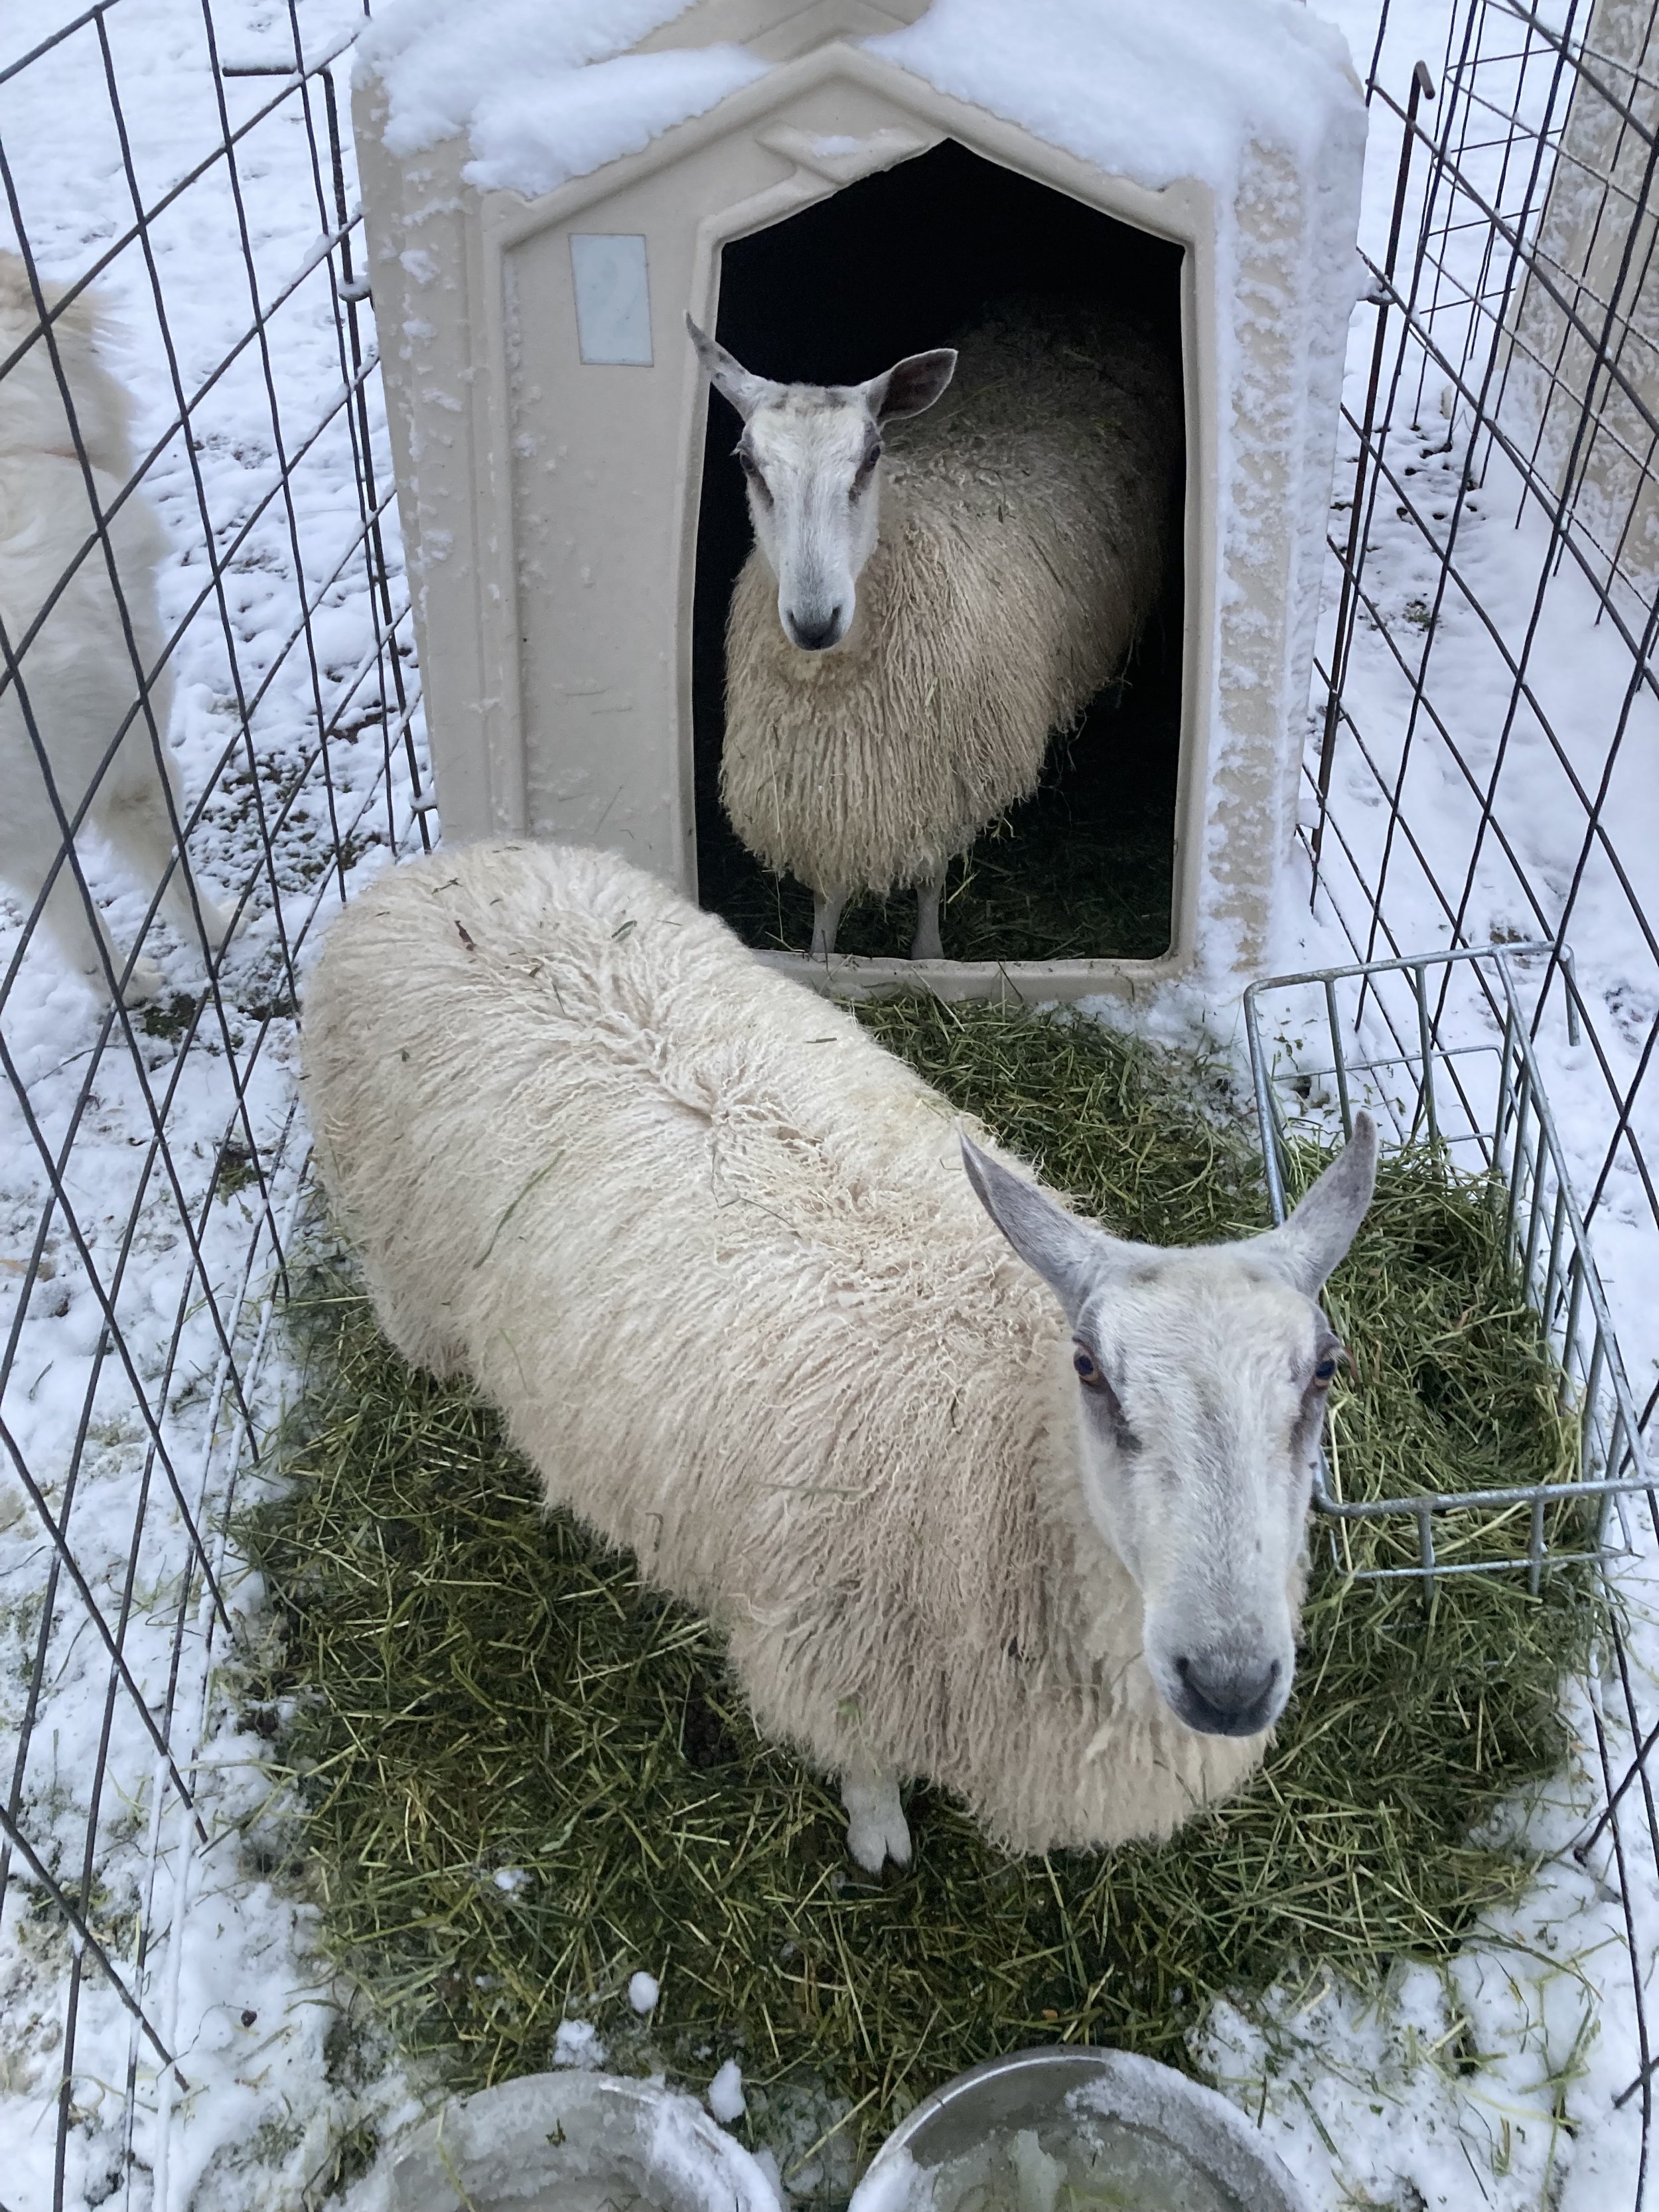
x,y
546,90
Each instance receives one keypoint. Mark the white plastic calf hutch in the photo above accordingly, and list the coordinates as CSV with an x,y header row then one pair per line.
x,y
830,185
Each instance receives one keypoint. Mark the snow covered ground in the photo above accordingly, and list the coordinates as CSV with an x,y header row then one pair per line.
x,y
1495,2084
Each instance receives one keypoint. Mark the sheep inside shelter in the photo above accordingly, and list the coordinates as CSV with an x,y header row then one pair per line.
x,y
895,264
825,188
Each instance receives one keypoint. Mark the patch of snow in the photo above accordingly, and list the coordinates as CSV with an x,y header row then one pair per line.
x,y
548,90
577,2043
543,89
532,137
894,2182
767,2163
1097,77
642,1992
1492,2081
725,2098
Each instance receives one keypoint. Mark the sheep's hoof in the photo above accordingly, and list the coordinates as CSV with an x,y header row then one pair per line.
x,y
925,946
876,1827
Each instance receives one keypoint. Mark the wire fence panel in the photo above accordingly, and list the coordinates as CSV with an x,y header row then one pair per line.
x,y
1583,373
1483,763
207,712
1377,1036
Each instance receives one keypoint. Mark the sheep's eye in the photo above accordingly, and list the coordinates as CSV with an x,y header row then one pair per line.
x,y
751,469
1106,1401
866,468
1325,1373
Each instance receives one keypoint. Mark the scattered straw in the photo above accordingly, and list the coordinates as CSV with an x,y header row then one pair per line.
x,y
525,1776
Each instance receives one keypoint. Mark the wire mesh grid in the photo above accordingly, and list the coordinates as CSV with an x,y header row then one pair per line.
x,y
1480,762
209,719
1375,1035
1490,707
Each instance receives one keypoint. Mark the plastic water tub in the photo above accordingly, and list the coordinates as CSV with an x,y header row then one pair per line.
x,y
1071,2130
570,2142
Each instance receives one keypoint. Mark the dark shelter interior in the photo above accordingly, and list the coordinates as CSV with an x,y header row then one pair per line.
x,y
892,266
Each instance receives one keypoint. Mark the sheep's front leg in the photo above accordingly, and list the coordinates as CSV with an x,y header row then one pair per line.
x,y
926,944
826,921
876,1828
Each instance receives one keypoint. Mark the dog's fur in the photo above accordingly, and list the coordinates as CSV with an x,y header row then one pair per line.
x,y
78,686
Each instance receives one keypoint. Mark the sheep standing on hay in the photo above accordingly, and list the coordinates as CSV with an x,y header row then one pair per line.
x,y
77,688
1028,1526
891,691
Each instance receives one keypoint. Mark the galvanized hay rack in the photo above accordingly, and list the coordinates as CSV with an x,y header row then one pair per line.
x,y
1404,1039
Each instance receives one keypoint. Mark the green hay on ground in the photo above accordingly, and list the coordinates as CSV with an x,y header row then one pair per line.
x,y
524,1776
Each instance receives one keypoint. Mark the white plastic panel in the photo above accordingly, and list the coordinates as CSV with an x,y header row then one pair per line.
x,y
613,297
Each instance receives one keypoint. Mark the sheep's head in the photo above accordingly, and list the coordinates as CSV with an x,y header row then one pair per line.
x,y
811,454
1202,1374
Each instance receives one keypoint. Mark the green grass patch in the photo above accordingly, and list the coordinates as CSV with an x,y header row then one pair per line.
x,y
524,1775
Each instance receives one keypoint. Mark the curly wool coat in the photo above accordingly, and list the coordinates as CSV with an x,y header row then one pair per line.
x,y
711,1251
1025,521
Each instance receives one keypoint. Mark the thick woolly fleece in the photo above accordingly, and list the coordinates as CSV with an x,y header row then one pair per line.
x,y
1025,521
712,1252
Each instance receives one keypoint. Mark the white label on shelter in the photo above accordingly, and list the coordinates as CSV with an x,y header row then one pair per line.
x,y
613,299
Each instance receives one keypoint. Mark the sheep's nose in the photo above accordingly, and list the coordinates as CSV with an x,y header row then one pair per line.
x,y
813,633
1223,1695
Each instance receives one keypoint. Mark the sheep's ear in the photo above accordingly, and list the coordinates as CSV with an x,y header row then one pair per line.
x,y
1310,1243
910,384
728,375
1069,1254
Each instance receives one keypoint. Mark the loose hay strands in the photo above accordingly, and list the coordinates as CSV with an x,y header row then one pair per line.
x,y
524,1776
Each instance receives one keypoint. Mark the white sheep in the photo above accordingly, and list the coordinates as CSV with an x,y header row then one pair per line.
x,y
890,690
712,1252
75,696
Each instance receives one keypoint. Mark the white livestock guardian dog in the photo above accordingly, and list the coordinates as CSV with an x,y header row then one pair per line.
x,y
82,683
